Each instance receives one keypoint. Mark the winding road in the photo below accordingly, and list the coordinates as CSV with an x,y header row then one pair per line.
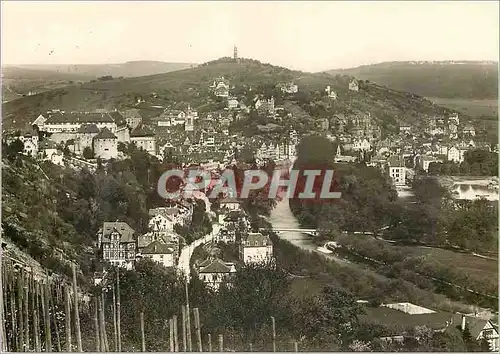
x,y
187,251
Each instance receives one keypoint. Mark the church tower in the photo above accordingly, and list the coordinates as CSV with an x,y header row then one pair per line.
x,y
189,120
235,53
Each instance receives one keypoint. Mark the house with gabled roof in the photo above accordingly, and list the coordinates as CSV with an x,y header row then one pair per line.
x,y
354,85
117,242
398,321
256,248
213,272
132,117
397,170
144,138
161,253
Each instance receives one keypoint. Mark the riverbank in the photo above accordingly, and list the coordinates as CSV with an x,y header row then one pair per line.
x,y
298,254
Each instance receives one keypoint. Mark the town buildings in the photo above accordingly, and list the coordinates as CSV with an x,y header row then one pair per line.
x,y
397,170
105,145
256,248
144,138
354,85
213,272
161,253
116,240
289,88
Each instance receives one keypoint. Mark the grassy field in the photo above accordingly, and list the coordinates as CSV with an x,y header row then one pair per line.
x,y
480,269
471,107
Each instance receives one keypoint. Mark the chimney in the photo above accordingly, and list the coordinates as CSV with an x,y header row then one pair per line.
x,y
463,323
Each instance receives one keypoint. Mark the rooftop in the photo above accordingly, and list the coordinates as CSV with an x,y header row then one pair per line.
x,y
256,239
216,266
141,131
125,231
157,247
105,133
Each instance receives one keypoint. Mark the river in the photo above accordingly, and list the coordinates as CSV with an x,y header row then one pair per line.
x,y
282,217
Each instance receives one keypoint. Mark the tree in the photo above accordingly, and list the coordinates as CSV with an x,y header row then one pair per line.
x,y
13,149
88,153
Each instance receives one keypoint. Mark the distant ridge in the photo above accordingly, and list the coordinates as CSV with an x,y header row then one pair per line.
x,y
445,79
127,69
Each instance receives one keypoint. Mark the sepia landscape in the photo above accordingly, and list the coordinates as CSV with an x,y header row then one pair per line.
x,y
96,256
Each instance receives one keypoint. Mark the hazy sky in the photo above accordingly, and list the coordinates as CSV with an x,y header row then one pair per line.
x,y
302,35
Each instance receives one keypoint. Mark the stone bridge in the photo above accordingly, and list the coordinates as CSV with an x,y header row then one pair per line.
x,y
278,230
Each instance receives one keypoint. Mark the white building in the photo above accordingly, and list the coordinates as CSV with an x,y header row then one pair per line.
x,y
354,85
144,139
405,129
469,130
132,117
289,88
189,122
397,170
105,145
214,272
256,248
61,122
161,222
230,204
455,154
232,103
425,161
361,145
454,118
161,253
332,94
30,142
118,245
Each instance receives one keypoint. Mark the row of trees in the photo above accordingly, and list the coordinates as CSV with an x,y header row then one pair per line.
x,y
478,162
439,220
367,196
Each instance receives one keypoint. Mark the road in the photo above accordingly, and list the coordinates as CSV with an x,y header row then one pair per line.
x,y
187,251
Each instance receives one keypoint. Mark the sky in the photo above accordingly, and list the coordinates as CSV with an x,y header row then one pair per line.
x,y
303,35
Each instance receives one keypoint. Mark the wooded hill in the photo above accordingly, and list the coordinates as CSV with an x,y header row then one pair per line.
x,y
464,79
249,77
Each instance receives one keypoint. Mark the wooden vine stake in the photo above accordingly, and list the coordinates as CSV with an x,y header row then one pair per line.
x,y
118,310
56,326
221,343
176,334
96,326
196,314
104,335
171,334
77,313
142,333
273,321
36,319
46,315
20,312
67,319
184,336
115,326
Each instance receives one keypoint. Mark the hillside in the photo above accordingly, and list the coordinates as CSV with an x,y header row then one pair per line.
x,y
468,80
388,107
33,224
20,73
128,69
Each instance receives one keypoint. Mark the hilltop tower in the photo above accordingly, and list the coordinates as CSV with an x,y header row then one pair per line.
x,y
235,53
